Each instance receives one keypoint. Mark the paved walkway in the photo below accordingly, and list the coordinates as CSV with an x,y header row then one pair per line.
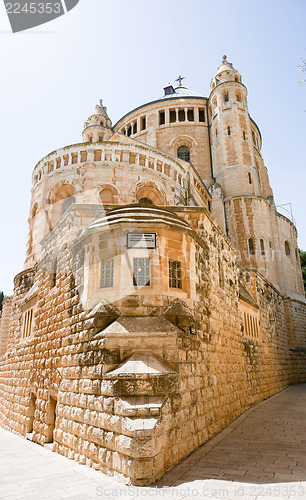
x,y
262,455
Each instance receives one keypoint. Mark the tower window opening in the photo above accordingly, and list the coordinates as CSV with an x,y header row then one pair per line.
x,y
271,248
251,246
175,274
183,153
262,247
129,131
162,119
287,248
201,115
209,206
216,132
172,116
244,136
228,130
236,78
190,115
181,115
135,128
107,273
238,97
143,122
141,271
100,138
250,178
226,98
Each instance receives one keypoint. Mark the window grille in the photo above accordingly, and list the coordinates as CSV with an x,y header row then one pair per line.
x,y
183,153
175,274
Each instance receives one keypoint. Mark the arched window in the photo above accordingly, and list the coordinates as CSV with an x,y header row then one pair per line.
x,y
67,202
183,153
145,201
149,194
251,246
262,247
287,248
107,196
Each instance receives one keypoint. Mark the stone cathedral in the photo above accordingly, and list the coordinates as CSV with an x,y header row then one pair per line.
x,y
162,293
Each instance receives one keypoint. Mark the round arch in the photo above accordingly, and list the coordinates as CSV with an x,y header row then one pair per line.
x,y
150,192
108,194
61,197
183,141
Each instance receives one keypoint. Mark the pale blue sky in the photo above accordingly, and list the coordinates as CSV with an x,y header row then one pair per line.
x,y
125,51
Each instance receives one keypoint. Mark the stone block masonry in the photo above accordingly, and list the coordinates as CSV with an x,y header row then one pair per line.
x,y
128,388
162,294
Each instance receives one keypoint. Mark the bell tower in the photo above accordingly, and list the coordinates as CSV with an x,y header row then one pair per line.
x,y
233,158
242,199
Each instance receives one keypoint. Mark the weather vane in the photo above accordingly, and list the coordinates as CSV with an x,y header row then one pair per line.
x,y
180,79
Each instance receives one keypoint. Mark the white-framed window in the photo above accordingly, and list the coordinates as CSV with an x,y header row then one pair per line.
x,y
107,273
141,271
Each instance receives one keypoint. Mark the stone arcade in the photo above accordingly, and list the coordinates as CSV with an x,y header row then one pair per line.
x,y
162,293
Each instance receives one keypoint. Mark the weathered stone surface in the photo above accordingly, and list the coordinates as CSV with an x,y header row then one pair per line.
x,y
129,377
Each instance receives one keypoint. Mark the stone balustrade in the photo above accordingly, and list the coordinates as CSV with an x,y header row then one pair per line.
x,y
107,152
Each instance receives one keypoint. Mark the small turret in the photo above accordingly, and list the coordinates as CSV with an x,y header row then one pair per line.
x,y
231,134
226,73
98,127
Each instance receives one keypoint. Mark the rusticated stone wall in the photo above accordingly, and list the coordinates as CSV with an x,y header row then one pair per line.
x,y
5,320
135,388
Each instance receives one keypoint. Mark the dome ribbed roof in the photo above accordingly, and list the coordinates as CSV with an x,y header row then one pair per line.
x,y
135,214
181,92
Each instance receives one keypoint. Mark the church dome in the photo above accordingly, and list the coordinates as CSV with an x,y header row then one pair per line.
x,y
181,92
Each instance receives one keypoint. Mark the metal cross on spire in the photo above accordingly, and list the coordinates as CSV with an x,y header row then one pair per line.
x,y
180,79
